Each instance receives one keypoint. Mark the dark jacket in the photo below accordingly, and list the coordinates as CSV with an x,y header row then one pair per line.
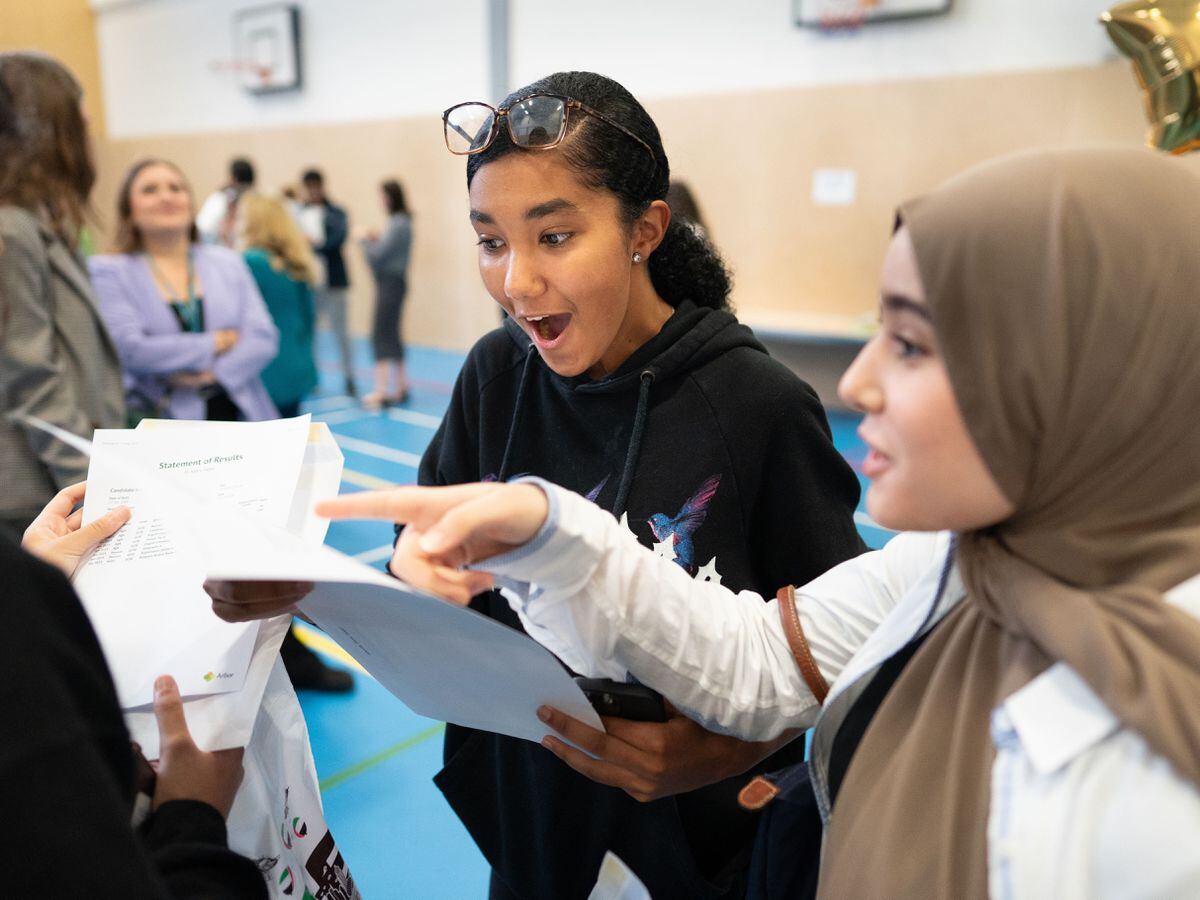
x,y
337,228
66,768
718,457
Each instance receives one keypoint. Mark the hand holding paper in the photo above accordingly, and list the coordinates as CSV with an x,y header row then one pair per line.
x,y
248,601
58,535
185,772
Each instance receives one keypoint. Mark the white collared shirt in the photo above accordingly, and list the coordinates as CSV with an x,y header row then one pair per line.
x,y
1080,806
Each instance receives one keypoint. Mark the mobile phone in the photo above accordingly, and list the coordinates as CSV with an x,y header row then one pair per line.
x,y
622,699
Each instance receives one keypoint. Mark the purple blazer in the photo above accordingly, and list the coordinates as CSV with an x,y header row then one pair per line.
x,y
151,344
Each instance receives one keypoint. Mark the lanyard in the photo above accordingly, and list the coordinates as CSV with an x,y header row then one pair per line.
x,y
190,313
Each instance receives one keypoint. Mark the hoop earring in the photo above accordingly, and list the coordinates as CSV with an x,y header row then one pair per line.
x,y
637,258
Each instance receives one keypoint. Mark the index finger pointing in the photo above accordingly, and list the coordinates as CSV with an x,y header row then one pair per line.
x,y
418,505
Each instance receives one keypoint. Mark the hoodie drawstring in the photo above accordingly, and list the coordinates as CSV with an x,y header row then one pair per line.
x,y
516,417
635,442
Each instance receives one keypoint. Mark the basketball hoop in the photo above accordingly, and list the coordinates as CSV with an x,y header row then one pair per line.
x,y
252,72
843,16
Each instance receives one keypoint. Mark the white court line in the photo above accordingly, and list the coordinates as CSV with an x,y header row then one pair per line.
x,y
373,556
411,417
328,403
355,413
370,448
862,518
342,416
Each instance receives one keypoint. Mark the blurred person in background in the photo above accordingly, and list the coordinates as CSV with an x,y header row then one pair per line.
x,y
328,234
189,323
57,361
284,270
388,256
217,219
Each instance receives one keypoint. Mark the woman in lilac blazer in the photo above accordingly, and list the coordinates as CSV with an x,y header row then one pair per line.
x,y
190,326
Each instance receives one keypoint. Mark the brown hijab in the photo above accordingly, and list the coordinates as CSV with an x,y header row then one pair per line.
x,y
1064,290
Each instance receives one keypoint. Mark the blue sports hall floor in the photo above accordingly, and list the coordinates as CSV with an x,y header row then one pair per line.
x,y
375,758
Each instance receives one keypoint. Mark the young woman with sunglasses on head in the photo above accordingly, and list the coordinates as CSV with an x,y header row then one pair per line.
x,y
622,374
1013,709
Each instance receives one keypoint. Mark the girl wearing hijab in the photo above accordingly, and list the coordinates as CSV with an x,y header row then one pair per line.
x,y
1011,706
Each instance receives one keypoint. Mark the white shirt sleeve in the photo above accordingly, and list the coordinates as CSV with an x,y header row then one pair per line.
x,y
587,590
311,220
211,215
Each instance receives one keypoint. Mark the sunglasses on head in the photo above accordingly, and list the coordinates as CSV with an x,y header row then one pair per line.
x,y
535,122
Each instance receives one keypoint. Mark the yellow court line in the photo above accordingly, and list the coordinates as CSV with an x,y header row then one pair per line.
x,y
321,643
371,762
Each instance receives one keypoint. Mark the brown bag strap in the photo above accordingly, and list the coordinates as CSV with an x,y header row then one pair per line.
x,y
799,646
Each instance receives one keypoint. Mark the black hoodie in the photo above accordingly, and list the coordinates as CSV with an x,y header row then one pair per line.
x,y
715,455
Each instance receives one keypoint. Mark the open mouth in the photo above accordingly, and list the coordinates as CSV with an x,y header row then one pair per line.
x,y
875,463
549,328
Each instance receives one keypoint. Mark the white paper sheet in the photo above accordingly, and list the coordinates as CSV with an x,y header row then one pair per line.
x,y
319,479
226,720
143,588
444,661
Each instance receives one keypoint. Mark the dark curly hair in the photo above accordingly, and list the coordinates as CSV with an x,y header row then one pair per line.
x,y
685,266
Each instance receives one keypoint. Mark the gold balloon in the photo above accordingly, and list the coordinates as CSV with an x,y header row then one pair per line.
x,y
1162,37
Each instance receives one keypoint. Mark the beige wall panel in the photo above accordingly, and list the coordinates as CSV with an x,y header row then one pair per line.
x,y
750,158
66,30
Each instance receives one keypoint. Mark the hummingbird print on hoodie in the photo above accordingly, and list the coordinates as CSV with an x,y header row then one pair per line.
x,y
678,529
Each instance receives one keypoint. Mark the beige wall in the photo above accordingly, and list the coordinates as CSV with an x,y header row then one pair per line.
x,y
64,29
749,158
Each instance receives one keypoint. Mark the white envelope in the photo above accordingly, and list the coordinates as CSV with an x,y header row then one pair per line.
x,y
226,720
143,588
